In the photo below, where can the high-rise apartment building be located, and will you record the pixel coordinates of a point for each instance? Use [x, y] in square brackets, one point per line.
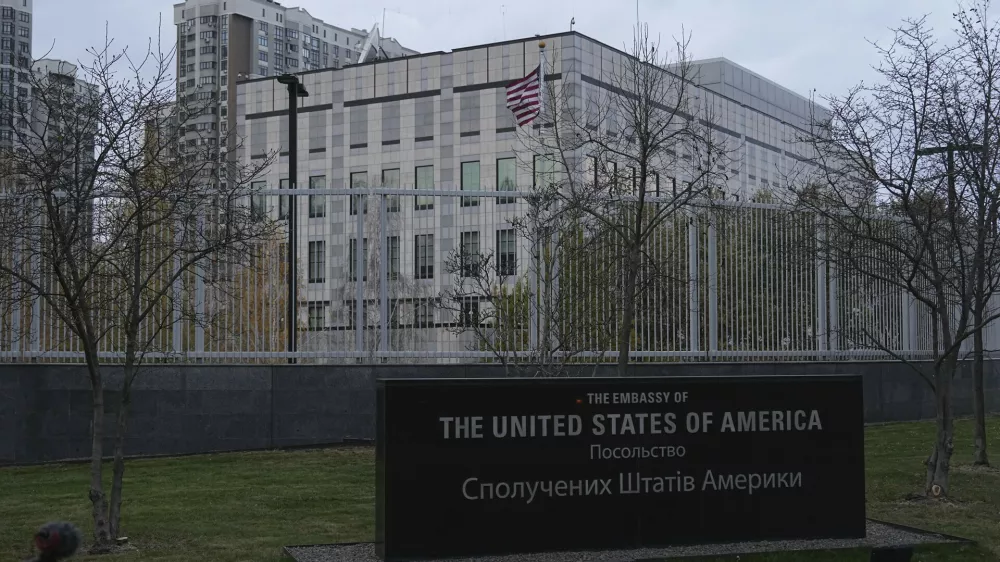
[15, 62]
[66, 96]
[220, 42]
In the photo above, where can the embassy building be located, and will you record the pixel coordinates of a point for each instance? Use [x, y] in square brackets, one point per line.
[434, 124]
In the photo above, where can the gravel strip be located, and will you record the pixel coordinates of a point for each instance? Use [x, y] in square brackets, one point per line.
[878, 535]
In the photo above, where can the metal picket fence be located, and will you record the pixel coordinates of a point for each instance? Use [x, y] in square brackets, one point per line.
[722, 281]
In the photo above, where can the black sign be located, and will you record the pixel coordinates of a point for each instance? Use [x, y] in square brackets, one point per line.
[474, 467]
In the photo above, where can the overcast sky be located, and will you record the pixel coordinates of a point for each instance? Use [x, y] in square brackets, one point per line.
[822, 44]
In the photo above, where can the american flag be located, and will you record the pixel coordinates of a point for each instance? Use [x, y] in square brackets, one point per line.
[524, 97]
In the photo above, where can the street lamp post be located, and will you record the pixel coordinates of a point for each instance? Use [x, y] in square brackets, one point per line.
[295, 91]
[950, 149]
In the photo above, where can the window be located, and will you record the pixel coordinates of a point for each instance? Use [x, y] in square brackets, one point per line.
[23, 16]
[359, 180]
[8, 28]
[544, 170]
[207, 79]
[470, 312]
[317, 261]
[283, 201]
[423, 313]
[25, 47]
[23, 32]
[8, 13]
[317, 316]
[207, 34]
[392, 248]
[673, 185]
[207, 65]
[258, 205]
[22, 92]
[390, 178]
[293, 63]
[208, 50]
[279, 31]
[347, 53]
[262, 25]
[292, 33]
[8, 44]
[317, 203]
[469, 254]
[506, 252]
[262, 56]
[470, 182]
[262, 40]
[336, 51]
[423, 251]
[425, 180]
[506, 178]
[352, 266]
[630, 178]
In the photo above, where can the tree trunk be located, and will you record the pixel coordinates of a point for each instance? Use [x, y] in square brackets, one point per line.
[979, 456]
[121, 427]
[939, 462]
[628, 311]
[99, 502]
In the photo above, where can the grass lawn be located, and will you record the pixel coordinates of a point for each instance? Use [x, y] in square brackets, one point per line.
[245, 506]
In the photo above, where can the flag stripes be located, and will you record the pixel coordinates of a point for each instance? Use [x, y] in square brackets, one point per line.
[524, 97]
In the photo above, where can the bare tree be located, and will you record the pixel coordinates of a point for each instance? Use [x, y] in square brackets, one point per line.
[893, 207]
[382, 225]
[113, 227]
[970, 123]
[632, 153]
[500, 307]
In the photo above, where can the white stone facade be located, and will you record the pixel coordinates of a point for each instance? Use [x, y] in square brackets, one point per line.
[447, 111]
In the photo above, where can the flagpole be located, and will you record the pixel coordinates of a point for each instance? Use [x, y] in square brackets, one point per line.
[541, 75]
[535, 281]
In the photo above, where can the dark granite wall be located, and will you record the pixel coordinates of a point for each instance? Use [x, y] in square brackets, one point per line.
[178, 409]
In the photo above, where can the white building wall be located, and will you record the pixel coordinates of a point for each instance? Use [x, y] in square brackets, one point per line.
[442, 110]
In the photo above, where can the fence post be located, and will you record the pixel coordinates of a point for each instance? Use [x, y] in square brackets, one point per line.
[907, 329]
[821, 320]
[713, 289]
[383, 275]
[834, 296]
[533, 294]
[16, 333]
[176, 308]
[359, 278]
[199, 300]
[34, 330]
[694, 314]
